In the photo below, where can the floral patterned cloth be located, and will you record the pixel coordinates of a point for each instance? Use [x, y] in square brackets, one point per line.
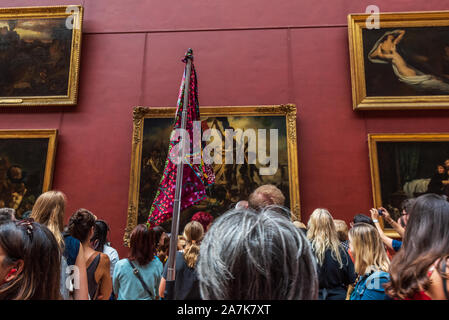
[196, 176]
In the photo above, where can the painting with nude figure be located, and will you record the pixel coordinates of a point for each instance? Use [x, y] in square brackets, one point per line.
[404, 64]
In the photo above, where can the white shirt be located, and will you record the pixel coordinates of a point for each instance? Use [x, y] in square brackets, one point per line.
[113, 256]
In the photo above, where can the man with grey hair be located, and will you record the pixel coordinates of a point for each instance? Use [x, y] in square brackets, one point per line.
[248, 255]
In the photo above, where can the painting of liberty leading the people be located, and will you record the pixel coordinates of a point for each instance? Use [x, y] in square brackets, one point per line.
[233, 182]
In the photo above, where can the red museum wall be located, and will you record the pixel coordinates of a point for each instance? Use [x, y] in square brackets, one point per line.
[248, 52]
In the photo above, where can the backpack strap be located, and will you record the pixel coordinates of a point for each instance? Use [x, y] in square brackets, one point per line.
[137, 274]
[373, 280]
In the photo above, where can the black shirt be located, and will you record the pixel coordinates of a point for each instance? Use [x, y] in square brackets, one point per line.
[334, 279]
[187, 286]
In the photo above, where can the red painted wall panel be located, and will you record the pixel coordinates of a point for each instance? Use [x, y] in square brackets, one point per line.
[245, 54]
[234, 67]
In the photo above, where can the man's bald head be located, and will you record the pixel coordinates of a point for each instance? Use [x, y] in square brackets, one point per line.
[266, 195]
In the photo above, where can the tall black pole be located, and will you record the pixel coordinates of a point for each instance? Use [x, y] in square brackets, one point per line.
[171, 269]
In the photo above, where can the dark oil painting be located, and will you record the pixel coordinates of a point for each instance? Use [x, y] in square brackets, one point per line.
[412, 61]
[410, 169]
[35, 57]
[22, 172]
[233, 182]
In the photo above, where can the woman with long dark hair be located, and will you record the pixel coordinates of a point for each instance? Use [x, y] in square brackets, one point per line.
[419, 270]
[100, 243]
[30, 262]
[138, 276]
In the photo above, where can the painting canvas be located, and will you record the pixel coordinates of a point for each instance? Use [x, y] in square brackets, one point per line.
[233, 182]
[405, 166]
[39, 55]
[401, 65]
[26, 167]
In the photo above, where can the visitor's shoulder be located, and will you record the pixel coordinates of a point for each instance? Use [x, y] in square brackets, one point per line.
[68, 239]
[121, 263]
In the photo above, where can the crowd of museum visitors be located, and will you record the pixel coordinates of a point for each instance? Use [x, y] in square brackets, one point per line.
[256, 250]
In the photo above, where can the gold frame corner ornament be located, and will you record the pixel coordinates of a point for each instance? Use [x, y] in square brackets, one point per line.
[140, 113]
[71, 98]
[360, 100]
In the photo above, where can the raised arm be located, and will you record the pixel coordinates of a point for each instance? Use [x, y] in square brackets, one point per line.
[375, 53]
[396, 226]
[399, 37]
[386, 240]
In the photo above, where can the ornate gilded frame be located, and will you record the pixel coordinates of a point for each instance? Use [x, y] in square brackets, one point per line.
[140, 113]
[74, 12]
[356, 23]
[51, 135]
[373, 139]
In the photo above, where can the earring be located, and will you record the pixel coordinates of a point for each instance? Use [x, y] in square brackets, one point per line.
[11, 272]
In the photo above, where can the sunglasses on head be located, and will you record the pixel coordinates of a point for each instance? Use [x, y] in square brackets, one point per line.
[28, 224]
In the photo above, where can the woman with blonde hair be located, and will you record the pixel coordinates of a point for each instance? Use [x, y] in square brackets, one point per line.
[371, 263]
[335, 267]
[187, 283]
[49, 210]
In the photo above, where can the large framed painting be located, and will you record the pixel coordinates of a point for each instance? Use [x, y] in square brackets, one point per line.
[26, 167]
[406, 166]
[404, 64]
[233, 182]
[40, 55]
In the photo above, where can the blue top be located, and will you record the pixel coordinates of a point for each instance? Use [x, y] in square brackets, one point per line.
[370, 287]
[71, 249]
[128, 287]
[396, 244]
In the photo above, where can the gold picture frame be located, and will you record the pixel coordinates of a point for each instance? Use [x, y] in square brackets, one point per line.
[27, 159]
[285, 115]
[389, 68]
[402, 166]
[41, 55]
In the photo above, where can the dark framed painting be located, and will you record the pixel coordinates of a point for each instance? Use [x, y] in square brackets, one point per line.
[404, 64]
[40, 55]
[233, 182]
[26, 167]
[406, 166]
